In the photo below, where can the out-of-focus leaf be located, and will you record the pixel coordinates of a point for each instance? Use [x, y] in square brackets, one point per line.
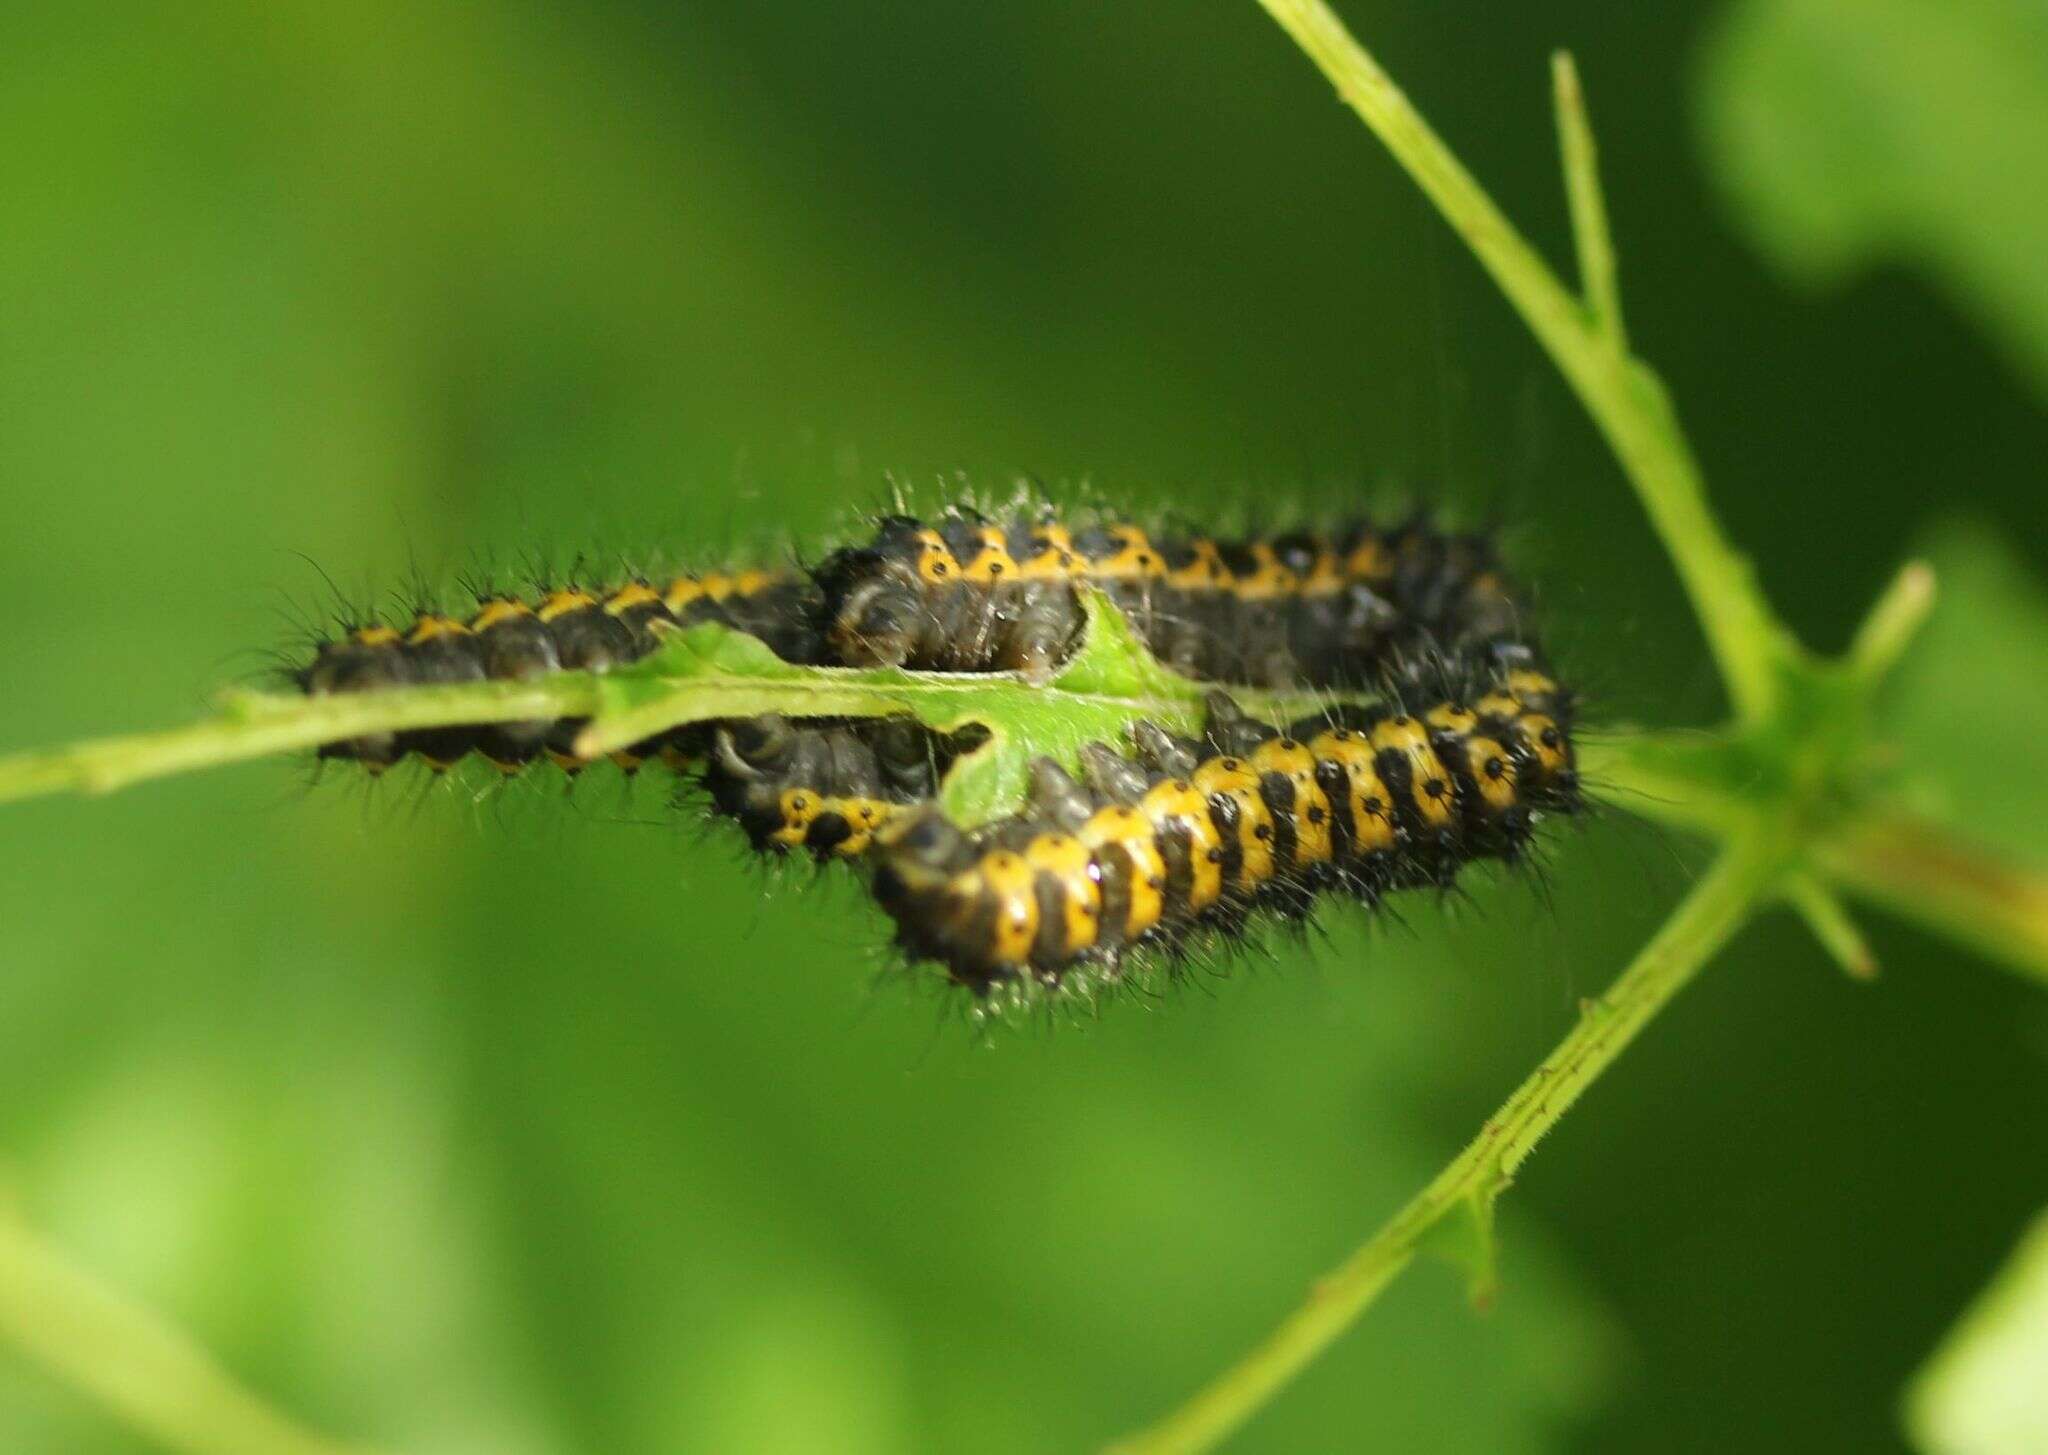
[1853, 131]
[1969, 699]
[1985, 1391]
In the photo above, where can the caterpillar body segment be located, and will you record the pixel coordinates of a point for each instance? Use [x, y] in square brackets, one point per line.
[825, 787]
[1182, 839]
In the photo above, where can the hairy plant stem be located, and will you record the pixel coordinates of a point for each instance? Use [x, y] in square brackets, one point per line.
[1710, 915]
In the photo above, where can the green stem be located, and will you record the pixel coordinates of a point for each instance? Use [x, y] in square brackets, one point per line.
[1710, 915]
[1922, 872]
[1828, 918]
[167, 1389]
[254, 725]
[1594, 241]
[1892, 623]
[1909, 865]
[1623, 395]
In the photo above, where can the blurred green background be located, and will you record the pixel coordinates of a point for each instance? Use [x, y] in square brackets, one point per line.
[528, 1126]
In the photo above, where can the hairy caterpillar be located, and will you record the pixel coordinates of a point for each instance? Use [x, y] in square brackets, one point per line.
[1453, 764]
[1187, 838]
[966, 594]
[821, 787]
[1332, 609]
[570, 629]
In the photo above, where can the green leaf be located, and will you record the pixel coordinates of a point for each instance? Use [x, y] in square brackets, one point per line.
[1466, 1238]
[1850, 133]
[711, 671]
[1086, 701]
[1112, 682]
[1985, 1391]
[1966, 705]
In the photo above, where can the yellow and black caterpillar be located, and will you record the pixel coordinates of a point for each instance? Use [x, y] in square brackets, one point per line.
[825, 787]
[1467, 745]
[572, 629]
[1304, 609]
[964, 594]
[1185, 839]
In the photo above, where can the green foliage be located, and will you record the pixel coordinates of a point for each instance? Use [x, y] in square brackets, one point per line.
[1965, 711]
[1854, 132]
[551, 1138]
[1982, 1393]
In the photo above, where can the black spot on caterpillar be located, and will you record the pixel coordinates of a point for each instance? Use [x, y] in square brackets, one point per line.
[1186, 839]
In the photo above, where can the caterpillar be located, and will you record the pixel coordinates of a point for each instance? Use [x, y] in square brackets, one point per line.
[1335, 609]
[506, 638]
[825, 788]
[1185, 839]
[965, 594]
